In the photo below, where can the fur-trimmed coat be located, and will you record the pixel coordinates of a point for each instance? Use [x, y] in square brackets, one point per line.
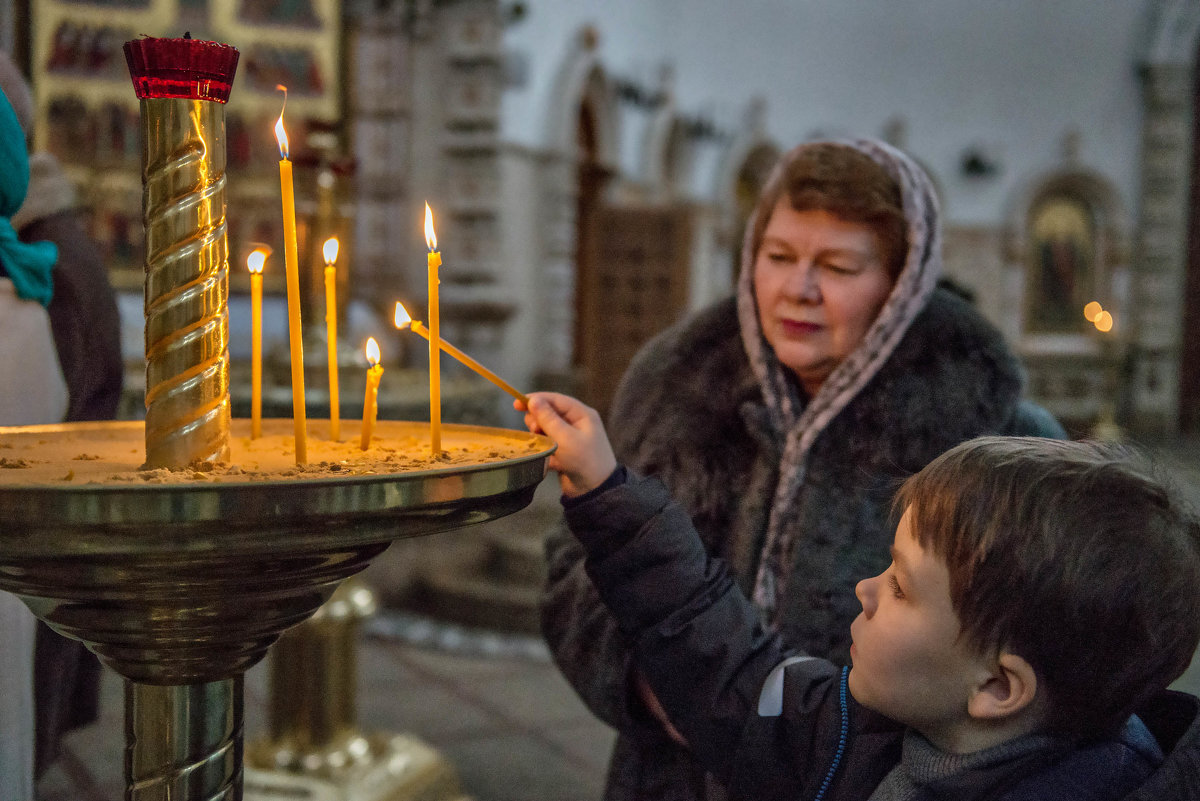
[690, 411]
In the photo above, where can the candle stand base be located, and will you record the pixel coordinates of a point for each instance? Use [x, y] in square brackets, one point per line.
[380, 767]
[315, 749]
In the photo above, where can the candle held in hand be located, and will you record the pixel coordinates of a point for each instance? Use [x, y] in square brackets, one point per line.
[330, 251]
[403, 320]
[254, 263]
[371, 397]
[433, 261]
[291, 266]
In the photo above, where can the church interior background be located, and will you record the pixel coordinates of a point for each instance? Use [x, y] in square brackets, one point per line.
[591, 166]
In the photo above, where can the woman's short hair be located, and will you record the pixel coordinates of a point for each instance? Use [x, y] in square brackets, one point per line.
[847, 183]
[1072, 555]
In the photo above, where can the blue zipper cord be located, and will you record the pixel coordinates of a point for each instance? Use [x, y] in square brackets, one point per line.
[842, 736]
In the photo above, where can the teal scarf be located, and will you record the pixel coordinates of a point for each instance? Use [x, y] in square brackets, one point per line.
[28, 265]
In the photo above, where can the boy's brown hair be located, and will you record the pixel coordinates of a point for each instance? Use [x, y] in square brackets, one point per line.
[847, 183]
[1072, 555]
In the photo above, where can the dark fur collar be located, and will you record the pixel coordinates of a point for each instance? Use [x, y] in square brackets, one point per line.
[688, 406]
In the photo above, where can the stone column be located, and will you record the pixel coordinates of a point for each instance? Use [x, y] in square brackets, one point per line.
[1160, 258]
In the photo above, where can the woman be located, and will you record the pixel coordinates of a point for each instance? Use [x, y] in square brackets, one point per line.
[784, 419]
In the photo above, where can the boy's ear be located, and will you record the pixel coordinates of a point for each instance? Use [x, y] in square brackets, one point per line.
[1010, 687]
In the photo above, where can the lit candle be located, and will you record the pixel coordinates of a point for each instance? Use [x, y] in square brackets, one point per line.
[371, 397]
[331, 253]
[290, 263]
[433, 261]
[403, 320]
[255, 262]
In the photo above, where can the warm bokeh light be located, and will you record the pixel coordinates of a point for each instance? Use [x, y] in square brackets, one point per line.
[280, 134]
[1103, 322]
[1092, 311]
[330, 250]
[402, 318]
[256, 260]
[372, 350]
[430, 236]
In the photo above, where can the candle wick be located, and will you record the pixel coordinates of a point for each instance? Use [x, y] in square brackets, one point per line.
[187, 34]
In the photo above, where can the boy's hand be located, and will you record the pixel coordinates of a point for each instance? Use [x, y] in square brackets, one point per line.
[584, 458]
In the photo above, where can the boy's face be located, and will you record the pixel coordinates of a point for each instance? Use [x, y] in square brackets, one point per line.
[909, 662]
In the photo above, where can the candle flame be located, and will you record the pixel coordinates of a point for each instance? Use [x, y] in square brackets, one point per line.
[372, 350]
[280, 134]
[330, 250]
[402, 318]
[1092, 311]
[1103, 322]
[430, 236]
[256, 260]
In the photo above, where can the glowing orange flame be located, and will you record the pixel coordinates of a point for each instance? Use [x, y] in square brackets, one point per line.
[280, 134]
[402, 318]
[256, 260]
[330, 250]
[1092, 311]
[430, 236]
[1103, 322]
[372, 350]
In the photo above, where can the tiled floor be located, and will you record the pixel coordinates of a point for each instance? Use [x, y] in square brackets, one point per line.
[495, 707]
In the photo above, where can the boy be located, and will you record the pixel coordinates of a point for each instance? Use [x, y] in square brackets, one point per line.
[1040, 592]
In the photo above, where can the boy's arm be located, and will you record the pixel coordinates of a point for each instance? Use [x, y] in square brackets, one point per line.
[700, 642]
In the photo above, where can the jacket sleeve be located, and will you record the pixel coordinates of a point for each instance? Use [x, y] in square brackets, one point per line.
[700, 642]
[584, 640]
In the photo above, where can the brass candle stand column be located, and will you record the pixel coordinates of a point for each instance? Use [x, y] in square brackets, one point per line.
[314, 748]
[183, 85]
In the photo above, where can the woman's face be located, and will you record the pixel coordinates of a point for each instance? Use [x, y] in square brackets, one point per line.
[819, 282]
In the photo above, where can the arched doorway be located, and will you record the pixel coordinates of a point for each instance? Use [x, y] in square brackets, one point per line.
[590, 178]
[751, 176]
[1189, 372]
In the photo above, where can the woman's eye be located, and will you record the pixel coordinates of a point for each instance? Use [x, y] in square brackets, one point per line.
[778, 257]
[840, 269]
[895, 585]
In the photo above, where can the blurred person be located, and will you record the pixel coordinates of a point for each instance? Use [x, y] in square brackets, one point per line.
[85, 326]
[33, 391]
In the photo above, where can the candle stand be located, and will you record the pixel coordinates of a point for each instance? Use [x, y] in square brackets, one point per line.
[180, 587]
[314, 748]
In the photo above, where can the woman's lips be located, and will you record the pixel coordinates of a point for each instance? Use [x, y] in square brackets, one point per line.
[798, 328]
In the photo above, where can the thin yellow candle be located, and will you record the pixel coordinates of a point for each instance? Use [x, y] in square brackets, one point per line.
[330, 252]
[255, 262]
[291, 265]
[371, 396]
[403, 320]
[433, 261]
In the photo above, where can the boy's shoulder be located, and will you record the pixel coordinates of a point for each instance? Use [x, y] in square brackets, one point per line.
[1105, 770]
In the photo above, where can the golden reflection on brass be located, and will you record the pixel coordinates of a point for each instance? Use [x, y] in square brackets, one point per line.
[183, 742]
[187, 282]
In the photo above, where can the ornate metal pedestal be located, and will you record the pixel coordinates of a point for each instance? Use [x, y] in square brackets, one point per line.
[180, 587]
[314, 750]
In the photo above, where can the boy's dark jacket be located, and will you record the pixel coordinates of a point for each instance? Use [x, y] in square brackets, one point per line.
[700, 644]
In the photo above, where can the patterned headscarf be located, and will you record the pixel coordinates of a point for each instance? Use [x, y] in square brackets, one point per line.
[800, 423]
[28, 265]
